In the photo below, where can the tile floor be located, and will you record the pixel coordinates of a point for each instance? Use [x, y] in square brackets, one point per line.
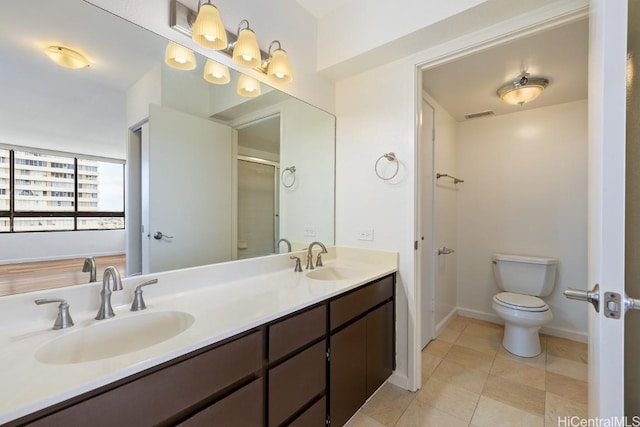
[469, 379]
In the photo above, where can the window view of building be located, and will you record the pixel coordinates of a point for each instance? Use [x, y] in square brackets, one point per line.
[47, 186]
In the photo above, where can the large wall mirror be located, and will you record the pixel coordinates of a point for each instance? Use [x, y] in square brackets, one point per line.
[201, 174]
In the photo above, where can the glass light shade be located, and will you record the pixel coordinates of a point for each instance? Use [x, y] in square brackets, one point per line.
[179, 57]
[248, 86]
[522, 91]
[279, 67]
[66, 57]
[208, 30]
[216, 73]
[246, 51]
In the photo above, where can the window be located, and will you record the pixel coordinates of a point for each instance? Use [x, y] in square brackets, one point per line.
[54, 192]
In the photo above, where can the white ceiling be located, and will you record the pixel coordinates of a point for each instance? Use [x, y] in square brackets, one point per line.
[468, 85]
[320, 8]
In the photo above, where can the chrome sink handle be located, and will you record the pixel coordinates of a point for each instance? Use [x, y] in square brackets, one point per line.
[110, 274]
[298, 267]
[63, 320]
[138, 302]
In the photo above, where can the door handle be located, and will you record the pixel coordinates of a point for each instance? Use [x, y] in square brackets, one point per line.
[445, 251]
[592, 296]
[159, 235]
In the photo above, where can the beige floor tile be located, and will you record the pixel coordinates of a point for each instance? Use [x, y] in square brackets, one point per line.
[449, 335]
[470, 379]
[539, 361]
[420, 414]
[429, 364]
[568, 350]
[559, 409]
[437, 348]
[459, 323]
[567, 387]
[487, 323]
[566, 367]
[362, 420]
[519, 372]
[388, 404]
[449, 398]
[514, 394]
[470, 358]
[491, 413]
[483, 330]
[488, 345]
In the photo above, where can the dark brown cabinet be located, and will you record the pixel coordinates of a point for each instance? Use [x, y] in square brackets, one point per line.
[292, 371]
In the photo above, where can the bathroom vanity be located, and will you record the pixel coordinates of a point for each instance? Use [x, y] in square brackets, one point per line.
[311, 348]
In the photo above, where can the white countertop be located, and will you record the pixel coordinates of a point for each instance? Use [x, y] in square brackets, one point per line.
[225, 299]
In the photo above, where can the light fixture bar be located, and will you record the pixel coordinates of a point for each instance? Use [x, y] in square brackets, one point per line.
[181, 19]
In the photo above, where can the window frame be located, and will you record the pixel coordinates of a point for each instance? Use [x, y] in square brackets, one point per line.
[76, 214]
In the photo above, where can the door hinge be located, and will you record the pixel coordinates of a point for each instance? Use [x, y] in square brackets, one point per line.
[327, 421]
[328, 354]
[415, 245]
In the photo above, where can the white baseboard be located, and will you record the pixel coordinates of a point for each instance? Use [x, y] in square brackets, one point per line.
[399, 380]
[547, 330]
[444, 322]
[58, 258]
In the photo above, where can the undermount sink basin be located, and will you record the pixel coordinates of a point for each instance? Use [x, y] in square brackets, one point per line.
[114, 337]
[334, 273]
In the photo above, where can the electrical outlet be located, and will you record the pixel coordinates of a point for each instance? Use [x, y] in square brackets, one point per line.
[365, 234]
[309, 231]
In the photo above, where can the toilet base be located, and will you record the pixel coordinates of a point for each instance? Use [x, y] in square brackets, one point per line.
[523, 341]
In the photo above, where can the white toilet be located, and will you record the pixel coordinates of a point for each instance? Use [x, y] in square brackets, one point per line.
[524, 279]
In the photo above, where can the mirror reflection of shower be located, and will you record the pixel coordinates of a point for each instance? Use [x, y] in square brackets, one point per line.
[258, 187]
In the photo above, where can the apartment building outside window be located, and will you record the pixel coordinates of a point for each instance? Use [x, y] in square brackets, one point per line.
[44, 191]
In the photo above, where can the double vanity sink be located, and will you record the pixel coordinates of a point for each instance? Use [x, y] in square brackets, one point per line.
[186, 311]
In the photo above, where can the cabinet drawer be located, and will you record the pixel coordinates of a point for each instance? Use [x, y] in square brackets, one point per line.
[241, 408]
[315, 416]
[349, 306]
[296, 331]
[295, 382]
[160, 397]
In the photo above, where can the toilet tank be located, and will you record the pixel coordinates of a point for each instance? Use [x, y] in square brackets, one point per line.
[525, 274]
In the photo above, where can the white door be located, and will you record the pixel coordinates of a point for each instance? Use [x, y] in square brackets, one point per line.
[189, 191]
[426, 255]
[607, 74]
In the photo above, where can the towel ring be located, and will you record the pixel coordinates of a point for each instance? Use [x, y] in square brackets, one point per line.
[392, 158]
[292, 174]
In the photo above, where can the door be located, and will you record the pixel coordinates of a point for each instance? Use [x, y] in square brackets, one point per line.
[426, 254]
[607, 71]
[189, 191]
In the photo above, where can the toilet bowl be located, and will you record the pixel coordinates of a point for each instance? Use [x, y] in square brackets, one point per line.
[523, 278]
[523, 316]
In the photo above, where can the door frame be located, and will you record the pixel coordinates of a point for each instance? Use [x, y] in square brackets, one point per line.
[475, 43]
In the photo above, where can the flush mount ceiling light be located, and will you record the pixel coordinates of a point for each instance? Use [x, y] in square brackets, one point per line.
[522, 90]
[243, 48]
[66, 57]
[216, 73]
[246, 51]
[208, 30]
[248, 86]
[278, 64]
[179, 57]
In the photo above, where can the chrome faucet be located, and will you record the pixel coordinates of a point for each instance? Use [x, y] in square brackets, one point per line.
[285, 241]
[310, 256]
[110, 274]
[90, 267]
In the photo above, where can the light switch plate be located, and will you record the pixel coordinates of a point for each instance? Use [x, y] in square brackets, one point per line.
[309, 231]
[365, 234]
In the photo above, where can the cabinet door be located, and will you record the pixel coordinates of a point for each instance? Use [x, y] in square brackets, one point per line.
[348, 371]
[380, 346]
[242, 408]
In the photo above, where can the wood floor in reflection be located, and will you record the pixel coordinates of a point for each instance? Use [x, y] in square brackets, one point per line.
[34, 276]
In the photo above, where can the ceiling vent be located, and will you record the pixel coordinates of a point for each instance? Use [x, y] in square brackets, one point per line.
[480, 114]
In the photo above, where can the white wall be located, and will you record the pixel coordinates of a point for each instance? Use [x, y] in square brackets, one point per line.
[525, 192]
[445, 216]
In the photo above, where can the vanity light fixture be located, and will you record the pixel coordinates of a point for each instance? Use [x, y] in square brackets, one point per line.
[522, 90]
[246, 51]
[243, 48]
[216, 73]
[208, 29]
[66, 57]
[278, 66]
[179, 57]
[248, 86]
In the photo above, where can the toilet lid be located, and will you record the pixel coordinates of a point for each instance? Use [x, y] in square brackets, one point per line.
[521, 302]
